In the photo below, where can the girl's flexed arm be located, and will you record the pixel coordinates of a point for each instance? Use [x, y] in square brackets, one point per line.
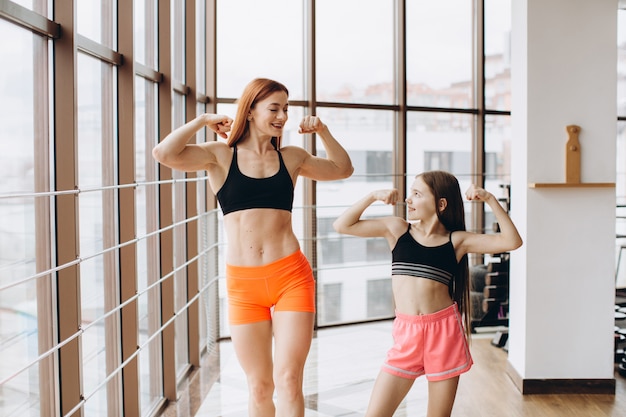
[174, 151]
[506, 240]
[350, 222]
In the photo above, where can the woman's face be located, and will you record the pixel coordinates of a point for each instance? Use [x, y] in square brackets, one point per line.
[269, 116]
[420, 201]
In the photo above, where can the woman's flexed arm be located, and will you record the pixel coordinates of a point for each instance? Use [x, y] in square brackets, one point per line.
[175, 152]
[337, 164]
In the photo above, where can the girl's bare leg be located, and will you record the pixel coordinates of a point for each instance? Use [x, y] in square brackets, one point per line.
[389, 391]
[441, 396]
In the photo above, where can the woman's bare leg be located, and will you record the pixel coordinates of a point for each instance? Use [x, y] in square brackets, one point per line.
[253, 347]
[293, 332]
[389, 391]
[441, 396]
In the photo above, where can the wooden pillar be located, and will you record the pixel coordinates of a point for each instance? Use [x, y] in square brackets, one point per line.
[66, 206]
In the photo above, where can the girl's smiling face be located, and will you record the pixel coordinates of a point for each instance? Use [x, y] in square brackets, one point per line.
[268, 117]
[420, 201]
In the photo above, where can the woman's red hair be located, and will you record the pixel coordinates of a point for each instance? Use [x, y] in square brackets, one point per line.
[256, 90]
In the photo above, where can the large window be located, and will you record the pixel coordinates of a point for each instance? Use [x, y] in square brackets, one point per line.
[260, 39]
[25, 300]
[439, 40]
[355, 60]
[112, 281]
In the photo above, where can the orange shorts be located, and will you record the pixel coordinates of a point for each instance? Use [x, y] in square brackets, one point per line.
[431, 344]
[283, 285]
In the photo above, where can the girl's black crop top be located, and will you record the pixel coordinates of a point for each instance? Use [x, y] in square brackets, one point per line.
[241, 192]
[411, 258]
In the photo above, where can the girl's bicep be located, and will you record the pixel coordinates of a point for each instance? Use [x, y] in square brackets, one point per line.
[367, 228]
[387, 227]
[483, 243]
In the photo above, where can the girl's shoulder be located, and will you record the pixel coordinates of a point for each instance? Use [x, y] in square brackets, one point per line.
[397, 226]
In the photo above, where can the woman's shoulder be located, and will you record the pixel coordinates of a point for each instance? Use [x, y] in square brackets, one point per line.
[217, 145]
[292, 150]
[294, 155]
[217, 153]
[220, 149]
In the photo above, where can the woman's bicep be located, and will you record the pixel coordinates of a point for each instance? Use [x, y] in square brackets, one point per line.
[194, 158]
[321, 169]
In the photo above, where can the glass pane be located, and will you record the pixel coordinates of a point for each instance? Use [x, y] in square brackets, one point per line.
[150, 360]
[98, 274]
[497, 162]
[439, 53]
[39, 6]
[88, 21]
[440, 141]
[346, 296]
[145, 32]
[355, 56]
[498, 54]
[498, 150]
[25, 3]
[95, 20]
[180, 246]
[150, 365]
[19, 332]
[204, 244]
[264, 41]
[178, 40]
[201, 47]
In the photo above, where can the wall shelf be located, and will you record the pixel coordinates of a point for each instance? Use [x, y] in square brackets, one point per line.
[572, 166]
[571, 185]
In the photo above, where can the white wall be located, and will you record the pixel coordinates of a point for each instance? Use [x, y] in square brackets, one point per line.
[564, 64]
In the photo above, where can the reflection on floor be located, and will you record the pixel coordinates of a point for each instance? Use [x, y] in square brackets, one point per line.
[338, 380]
[340, 373]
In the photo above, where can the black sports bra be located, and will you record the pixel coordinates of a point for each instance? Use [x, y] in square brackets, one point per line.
[241, 192]
[411, 258]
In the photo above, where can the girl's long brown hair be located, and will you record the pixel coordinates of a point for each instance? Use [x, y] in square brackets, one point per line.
[256, 90]
[445, 185]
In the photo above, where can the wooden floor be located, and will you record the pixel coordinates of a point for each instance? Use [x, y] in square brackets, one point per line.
[340, 374]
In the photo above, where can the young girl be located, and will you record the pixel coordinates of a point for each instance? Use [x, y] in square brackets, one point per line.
[270, 284]
[430, 285]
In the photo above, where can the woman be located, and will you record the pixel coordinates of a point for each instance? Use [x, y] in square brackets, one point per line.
[430, 283]
[271, 290]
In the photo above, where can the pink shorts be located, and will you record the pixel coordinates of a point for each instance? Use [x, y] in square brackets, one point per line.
[431, 344]
[286, 284]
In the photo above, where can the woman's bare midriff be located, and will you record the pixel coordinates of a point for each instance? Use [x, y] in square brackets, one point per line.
[259, 236]
[417, 296]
